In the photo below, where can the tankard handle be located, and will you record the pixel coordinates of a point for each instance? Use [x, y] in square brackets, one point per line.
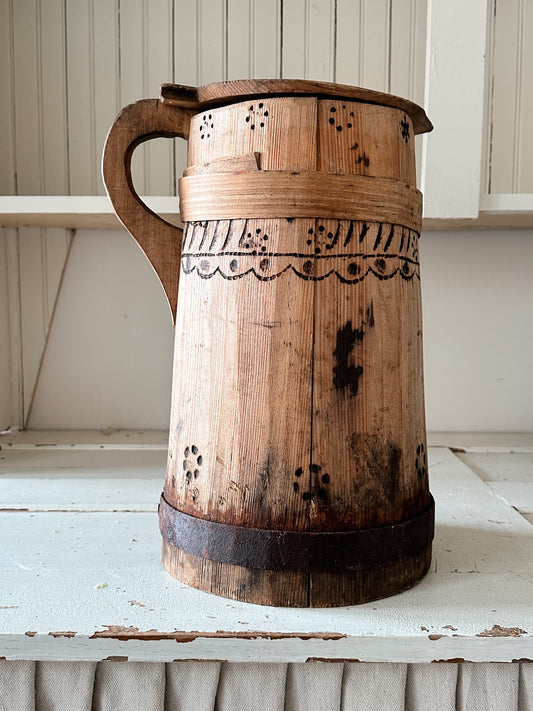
[159, 240]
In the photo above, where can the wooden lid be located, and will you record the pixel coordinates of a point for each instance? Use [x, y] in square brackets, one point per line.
[222, 93]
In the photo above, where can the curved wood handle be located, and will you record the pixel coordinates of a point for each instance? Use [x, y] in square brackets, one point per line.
[159, 240]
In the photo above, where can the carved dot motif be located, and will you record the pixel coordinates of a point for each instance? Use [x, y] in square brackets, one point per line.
[319, 483]
[342, 120]
[421, 461]
[257, 116]
[206, 126]
[191, 464]
[405, 129]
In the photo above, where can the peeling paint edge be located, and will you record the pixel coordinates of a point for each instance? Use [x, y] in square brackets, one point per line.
[124, 634]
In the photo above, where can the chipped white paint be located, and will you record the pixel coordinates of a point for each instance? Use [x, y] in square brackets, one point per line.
[481, 577]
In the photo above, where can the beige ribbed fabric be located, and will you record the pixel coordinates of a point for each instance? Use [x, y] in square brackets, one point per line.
[251, 687]
[215, 686]
[525, 688]
[17, 686]
[192, 686]
[132, 686]
[487, 686]
[61, 686]
[373, 687]
[431, 687]
[315, 685]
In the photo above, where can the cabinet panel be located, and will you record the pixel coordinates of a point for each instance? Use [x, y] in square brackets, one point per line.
[510, 105]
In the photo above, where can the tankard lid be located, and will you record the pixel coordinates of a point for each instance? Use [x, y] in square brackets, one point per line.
[221, 93]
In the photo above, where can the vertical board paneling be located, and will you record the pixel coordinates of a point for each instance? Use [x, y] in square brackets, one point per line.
[320, 45]
[92, 62]
[408, 55]
[42, 258]
[15, 337]
[240, 40]
[57, 246]
[349, 41]
[52, 89]
[524, 166]
[28, 146]
[7, 138]
[33, 306]
[505, 64]
[159, 166]
[185, 63]
[133, 78]
[266, 34]
[253, 38]
[294, 39]
[81, 97]
[212, 47]
[5, 353]
[375, 44]
[146, 62]
[106, 95]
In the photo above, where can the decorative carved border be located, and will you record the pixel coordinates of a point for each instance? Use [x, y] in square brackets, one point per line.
[236, 248]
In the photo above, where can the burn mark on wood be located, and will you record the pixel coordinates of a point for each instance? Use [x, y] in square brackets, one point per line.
[404, 123]
[318, 483]
[382, 252]
[361, 157]
[346, 374]
[421, 461]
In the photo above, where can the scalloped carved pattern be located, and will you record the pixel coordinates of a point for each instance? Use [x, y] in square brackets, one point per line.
[350, 250]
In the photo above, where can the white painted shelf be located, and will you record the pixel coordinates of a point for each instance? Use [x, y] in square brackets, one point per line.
[95, 212]
[80, 577]
[74, 211]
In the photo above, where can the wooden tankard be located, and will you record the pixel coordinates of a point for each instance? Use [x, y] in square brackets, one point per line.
[297, 465]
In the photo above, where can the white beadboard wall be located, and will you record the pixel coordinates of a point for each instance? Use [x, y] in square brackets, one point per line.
[99, 354]
[509, 161]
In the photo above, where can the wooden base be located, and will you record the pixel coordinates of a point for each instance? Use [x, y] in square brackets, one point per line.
[289, 589]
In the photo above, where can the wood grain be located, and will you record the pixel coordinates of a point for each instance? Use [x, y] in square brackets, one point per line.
[297, 398]
[231, 91]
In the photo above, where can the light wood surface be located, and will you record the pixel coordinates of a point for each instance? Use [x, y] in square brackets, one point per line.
[270, 404]
[231, 91]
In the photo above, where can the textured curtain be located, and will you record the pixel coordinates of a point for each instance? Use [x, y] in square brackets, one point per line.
[216, 686]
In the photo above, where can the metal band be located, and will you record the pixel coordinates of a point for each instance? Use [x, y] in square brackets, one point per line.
[279, 194]
[264, 549]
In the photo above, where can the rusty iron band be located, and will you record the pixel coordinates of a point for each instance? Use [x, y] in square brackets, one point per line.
[265, 549]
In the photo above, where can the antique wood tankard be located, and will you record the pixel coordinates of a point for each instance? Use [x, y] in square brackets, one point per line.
[297, 465]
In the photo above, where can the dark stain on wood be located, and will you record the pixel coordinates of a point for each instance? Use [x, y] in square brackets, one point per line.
[345, 374]
[377, 463]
